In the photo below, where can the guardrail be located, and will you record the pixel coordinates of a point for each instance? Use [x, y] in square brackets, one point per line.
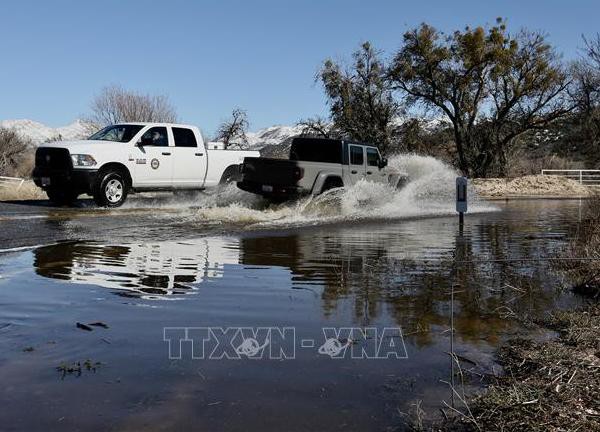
[20, 181]
[585, 177]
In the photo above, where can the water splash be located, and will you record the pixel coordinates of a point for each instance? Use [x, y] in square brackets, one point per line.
[430, 192]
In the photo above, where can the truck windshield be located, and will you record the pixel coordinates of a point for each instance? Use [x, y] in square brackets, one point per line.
[316, 150]
[117, 133]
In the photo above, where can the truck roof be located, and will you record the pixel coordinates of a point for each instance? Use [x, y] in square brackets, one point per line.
[158, 124]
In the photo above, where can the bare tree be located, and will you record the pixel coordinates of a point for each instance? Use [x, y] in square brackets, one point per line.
[318, 127]
[232, 132]
[582, 130]
[592, 48]
[13, 149]
[117, 105]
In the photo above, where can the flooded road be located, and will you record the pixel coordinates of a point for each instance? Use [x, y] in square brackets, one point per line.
[137, 281]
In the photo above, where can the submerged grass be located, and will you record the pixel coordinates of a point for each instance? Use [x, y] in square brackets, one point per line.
[583, 267]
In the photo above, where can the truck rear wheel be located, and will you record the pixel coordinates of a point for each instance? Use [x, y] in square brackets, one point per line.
[61, 196]
[402, 181]
[111, 189]
[332, 183]
[230, 175]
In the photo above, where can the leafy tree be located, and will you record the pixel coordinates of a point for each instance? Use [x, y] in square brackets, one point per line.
[233, 131]
[361, 103]
[492, 87]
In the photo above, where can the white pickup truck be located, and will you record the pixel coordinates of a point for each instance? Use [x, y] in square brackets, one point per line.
[133, 157]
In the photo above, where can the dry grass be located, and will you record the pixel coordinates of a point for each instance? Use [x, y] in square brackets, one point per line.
[29, 191]
[532, 185]
[547, 386]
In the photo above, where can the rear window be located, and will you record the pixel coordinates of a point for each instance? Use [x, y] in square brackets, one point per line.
[184, 137]
[316, 150]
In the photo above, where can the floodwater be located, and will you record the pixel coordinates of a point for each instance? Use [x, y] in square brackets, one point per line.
[147, 284]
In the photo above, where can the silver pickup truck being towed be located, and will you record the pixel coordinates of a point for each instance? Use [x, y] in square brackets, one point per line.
[315, 166]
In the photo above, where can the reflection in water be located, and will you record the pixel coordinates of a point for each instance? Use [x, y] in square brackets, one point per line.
[150, 270]
[400, 272]
[405, 272]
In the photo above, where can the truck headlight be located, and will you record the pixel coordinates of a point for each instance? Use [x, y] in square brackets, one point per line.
[83, 160]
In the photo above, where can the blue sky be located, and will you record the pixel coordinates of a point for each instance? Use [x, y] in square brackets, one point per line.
[211, 56]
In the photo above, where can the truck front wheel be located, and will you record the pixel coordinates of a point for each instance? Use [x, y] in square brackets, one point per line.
[111, 189]
[61, 197]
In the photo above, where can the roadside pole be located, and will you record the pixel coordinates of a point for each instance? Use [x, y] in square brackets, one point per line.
[461, 200]
[461, 208]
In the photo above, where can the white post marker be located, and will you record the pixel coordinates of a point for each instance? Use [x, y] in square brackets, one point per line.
[461, 197]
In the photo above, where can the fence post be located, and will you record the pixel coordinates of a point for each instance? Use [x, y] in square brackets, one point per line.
[580, 176]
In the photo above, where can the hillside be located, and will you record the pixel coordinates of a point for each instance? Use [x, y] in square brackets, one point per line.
[39, 133]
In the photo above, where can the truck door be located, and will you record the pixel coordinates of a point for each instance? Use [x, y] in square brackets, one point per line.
[374, 173]
[153, 159]
[189, 160]
[357, 166]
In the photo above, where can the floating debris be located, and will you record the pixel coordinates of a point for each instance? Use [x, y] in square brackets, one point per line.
[98, 324]
[83, 327]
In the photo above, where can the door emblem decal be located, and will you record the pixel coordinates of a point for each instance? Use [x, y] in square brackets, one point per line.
[155, 163]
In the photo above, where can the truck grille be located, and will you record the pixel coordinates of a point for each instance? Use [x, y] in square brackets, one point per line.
[53, 158]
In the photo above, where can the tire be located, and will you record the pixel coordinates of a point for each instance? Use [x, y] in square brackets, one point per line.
[111, 189]
[230, 175]
[403, 181]
[61, 196]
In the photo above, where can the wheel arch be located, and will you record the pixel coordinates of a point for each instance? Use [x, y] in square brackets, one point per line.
[322, 180]
[116, 166]
[232, 171]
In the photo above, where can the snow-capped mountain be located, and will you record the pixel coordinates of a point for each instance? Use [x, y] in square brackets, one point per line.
[39, 133]
[273, 135]
[264, 138]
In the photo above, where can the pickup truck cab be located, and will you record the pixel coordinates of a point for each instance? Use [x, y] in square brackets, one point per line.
[133, 157]
[316, 165]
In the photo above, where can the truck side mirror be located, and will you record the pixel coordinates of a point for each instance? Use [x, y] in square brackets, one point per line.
[383, 163]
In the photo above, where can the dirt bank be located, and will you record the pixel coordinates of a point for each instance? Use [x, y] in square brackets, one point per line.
[547, 386]
[532, 185]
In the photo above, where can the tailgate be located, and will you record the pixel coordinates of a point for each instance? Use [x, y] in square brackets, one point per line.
[276, 172]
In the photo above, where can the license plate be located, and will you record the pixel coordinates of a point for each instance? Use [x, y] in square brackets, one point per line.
[267, 188]
[45, 181]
